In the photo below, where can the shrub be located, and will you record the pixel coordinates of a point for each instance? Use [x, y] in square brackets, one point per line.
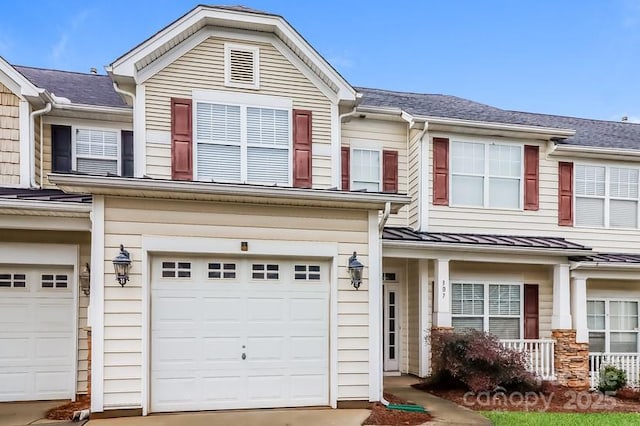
[479, 361]
[611, 379]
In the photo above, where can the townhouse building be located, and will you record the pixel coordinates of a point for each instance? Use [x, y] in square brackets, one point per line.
[241, 180]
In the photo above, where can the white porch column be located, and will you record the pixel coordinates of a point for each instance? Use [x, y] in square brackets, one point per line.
[442, 293]
[561, 319]
[424, 354]
[579, 309]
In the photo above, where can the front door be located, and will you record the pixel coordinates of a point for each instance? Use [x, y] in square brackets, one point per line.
[391, 317]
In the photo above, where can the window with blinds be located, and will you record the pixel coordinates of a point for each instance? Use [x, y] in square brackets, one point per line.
[486, 175]
[242, 66]
[606, 196]
[96, 151]
[495, 308]
[237, 143]
[613, 325]
[365, 170]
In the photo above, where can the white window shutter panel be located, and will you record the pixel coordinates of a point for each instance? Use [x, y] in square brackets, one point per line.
[268, 165]
[220, 163]
[623, 214]
[589, 211]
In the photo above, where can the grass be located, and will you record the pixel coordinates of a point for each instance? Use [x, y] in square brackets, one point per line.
[508, 418]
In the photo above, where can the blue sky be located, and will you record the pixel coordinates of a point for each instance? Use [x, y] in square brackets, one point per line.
[579, 58]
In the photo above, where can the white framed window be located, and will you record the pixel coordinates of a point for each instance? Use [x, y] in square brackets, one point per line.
[485, 174]
[96, 151]
[13, 280]
[613, 325]
[243, 142]
[241, 66]
[605, 196]
[496, 308]
[173, 269]
[265, 271]
[366, 169]
[221, 271]
[52, 281]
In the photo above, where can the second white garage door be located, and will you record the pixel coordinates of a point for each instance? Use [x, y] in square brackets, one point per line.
[239, 333]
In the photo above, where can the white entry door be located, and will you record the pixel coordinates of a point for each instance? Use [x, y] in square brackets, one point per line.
[37, 322]
[391, 317]
[239, 333]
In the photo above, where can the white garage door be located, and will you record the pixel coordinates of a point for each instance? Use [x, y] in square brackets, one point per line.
[36, 333]
[231, 333]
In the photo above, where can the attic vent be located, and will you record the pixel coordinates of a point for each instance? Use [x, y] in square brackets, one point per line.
[241, 66]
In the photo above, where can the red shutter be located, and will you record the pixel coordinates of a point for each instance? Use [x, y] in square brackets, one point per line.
[565, 194]
[301, 148]
[531, 177]
[346, 177]
[181, 140]
[390, 171]
[441, 171]
[531, 307]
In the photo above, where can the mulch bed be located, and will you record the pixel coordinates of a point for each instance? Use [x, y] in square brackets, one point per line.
[65, 411]
[380, 415]
[556, 399]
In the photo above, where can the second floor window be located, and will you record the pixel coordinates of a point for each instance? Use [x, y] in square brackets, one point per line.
[96, 151]
[486, 175]
[365, 169]
[238, 143]
[606, 196]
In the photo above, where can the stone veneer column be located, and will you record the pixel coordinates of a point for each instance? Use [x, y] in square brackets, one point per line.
[571, 360]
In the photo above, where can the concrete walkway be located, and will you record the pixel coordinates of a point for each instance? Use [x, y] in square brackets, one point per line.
[293, 417]
[444, 412]
[29, 413]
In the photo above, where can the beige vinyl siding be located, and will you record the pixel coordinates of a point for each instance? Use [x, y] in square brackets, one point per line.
[543, 222]
[613, 289]
[158, 160]
[203, 68]
[9, 137]
[414, 174]
[382, 134]
[84, 242]
[127, 220]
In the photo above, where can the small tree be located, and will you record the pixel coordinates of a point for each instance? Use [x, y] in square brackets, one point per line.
[478, 361]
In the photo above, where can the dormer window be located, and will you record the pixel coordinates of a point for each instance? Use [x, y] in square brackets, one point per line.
[241, 66]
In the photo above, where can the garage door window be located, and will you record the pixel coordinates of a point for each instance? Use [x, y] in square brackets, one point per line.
[307, 272]
[54, 281]
[13, 281]
[176, 269]
[265, 271]
[222, 271]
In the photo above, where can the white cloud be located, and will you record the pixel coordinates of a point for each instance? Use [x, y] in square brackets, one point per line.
[59, 48]
[341, 60]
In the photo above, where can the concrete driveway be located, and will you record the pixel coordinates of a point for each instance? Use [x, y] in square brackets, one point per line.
[293, 417]
[28, 413]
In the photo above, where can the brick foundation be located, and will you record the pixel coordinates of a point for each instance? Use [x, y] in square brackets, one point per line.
[571, 360]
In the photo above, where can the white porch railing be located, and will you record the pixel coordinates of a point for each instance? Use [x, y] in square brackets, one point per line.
[538, 353]
[629, 362]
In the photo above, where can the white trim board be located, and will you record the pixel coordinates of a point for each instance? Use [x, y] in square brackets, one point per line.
[39, 253]
[95, 312]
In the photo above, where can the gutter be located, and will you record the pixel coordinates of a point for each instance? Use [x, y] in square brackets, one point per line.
[207, 191]
[32, 143]
[485, 248]
[603, 265]
[591, 151]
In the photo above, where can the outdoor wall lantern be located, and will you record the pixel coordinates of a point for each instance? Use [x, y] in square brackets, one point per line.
[355, 270]
[85, 280]
[121, 264]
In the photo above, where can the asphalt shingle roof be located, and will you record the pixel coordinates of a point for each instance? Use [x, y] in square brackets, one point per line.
[593, 133]
[79, 88]
[408, 234]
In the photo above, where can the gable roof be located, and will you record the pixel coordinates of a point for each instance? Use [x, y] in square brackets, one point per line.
[187, 28]
[79, 88]
[589, 132]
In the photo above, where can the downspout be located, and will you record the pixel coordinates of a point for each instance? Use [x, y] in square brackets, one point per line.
[341, 117]
[381, 224]
[125, 93]
[32, 143]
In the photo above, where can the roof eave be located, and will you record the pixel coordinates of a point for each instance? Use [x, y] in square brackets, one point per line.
[20, 205]
[206, 191]
[561, 149]
[611, 266]
[484, 248]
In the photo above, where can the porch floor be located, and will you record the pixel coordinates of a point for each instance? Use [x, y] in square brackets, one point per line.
[444, 412]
